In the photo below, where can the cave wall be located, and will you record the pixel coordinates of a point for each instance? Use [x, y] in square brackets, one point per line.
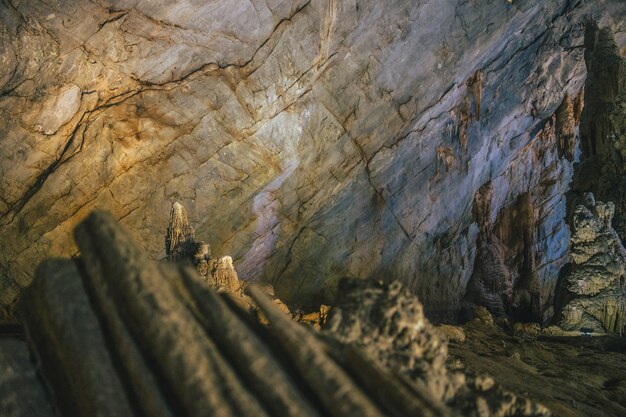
[310, 139]
[602, 166]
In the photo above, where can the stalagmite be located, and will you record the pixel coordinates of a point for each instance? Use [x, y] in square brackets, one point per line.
[593, 292]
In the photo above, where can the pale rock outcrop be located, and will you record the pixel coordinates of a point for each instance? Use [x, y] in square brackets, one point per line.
[593, 288]
[58, 110]
[312, 139]
[181, 244]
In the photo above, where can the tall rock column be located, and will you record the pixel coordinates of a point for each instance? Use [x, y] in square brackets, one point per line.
[592, 291]
[602, 169]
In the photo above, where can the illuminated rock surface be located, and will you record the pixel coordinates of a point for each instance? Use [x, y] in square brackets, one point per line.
[313, 139]
[594, 287]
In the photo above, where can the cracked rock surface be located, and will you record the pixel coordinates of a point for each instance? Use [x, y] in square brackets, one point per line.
[313, 139]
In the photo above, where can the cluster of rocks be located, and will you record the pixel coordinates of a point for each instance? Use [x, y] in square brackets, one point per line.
[219, 274]
[181, 245]
[593, 288]
[387, 322]
[158, 339]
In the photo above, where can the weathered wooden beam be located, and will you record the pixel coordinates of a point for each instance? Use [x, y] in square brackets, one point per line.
[67, 339]
[183, 357]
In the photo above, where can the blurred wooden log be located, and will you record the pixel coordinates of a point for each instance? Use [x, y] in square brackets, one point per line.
[67, 339]
[188, 362]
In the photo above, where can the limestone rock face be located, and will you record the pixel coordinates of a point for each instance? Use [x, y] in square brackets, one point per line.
[595, 286]
[314, 139]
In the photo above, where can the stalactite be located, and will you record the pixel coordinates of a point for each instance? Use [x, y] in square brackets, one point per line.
[464, 119]
[475, 84]
[579, 106]
[445, 160]
[565, 125]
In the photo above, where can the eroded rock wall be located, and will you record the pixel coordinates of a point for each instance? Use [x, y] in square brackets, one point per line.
[602, 169]
[313, 139]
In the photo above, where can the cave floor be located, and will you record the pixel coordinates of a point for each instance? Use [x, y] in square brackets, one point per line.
[573, 376]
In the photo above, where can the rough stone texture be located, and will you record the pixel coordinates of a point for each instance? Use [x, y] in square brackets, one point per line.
[388, 323]
[593, 289]
[183, 349]
[314, 139]
[572, 376]
[181, 244]
[452, 333]
[67, 334]
[602, 169]
[21, 394]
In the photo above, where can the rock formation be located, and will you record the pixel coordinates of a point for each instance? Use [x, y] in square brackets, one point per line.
[602, 169]
[313, 139]
[156, 341]
[181, 244]
[491, 283]
[388, 323]
[217, 273]
[593, 288]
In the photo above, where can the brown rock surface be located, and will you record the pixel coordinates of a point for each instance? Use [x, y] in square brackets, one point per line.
[304, 135]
